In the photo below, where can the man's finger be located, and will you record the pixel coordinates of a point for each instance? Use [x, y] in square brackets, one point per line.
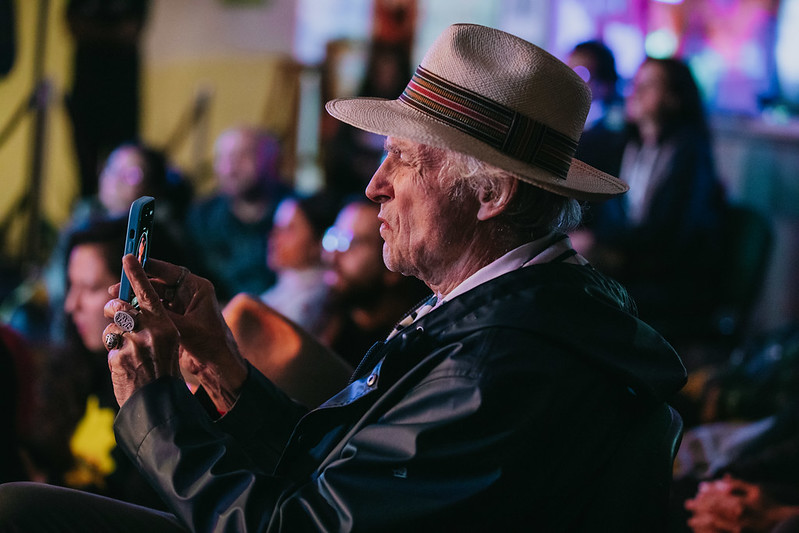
[145, 293]
[113, 290]
[167, 272]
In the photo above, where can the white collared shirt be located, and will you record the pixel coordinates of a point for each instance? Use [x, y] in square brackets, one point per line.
[538, 251]
[543, 250]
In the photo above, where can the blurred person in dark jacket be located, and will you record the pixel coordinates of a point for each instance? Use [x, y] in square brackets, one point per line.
[662, 240]
[229, 229]
[104, 100]
[602, 141]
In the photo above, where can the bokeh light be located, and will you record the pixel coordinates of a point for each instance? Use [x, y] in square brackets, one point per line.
[787, 46]
[661, 43]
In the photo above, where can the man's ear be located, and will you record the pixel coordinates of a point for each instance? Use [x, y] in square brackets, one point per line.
[495, 200]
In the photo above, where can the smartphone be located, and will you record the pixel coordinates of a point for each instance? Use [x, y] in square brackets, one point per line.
[137, 240]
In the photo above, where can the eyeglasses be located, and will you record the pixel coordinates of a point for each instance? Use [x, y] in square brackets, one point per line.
[336, 240]
[339, 240]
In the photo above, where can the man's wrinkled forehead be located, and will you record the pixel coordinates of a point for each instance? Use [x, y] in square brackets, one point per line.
[415, 153]
[397, 143]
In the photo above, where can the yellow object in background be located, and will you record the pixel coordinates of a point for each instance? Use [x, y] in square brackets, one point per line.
[91, 445]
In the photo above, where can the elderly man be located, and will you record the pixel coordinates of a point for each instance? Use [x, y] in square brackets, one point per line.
[525, 396]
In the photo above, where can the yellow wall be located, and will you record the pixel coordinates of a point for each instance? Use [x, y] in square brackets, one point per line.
[238, 55]
[59, 184]
[245, 90]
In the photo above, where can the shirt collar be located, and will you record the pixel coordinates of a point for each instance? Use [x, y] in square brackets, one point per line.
[540, 250]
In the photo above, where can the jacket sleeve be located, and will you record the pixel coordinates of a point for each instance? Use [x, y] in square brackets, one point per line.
[262, 419]
[436, 449]
[260, 424]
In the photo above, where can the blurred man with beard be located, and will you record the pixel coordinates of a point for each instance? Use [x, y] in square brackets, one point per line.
[229, 229]
[367, 299]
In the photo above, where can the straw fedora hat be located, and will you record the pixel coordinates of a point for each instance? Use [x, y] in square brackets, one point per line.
[496, 97]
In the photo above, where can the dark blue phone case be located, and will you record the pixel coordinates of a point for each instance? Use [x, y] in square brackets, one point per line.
[137, 239]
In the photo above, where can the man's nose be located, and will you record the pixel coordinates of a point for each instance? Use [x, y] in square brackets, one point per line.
[379, 187]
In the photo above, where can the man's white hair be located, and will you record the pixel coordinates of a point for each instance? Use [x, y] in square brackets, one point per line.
[532, 210]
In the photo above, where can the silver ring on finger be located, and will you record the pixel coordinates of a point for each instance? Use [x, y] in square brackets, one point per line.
[112, 340]
[125, 320]
[169, 294]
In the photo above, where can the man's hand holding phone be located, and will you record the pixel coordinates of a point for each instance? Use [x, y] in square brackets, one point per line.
[150, 350]
[174, 316]
[209, 355]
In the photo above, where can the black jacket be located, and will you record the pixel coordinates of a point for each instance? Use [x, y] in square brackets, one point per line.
[533, 402]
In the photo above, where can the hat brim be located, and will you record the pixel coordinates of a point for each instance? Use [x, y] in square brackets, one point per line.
[396, 119]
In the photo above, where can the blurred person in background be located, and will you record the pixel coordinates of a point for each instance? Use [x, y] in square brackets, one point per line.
[602, 140]
[72, 441]
[228, 230]
[367, 299]
[295, 255]
[133, 169]
[350, 155]
[662, 239]
[103, 102]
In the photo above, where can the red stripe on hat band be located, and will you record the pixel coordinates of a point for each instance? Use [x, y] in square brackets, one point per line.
[498, 126]
[456, 106]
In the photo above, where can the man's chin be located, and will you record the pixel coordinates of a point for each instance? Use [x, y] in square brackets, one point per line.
[399, 267]
[390, 263]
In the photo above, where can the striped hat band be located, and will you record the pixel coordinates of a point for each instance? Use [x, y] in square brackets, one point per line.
[498, 126]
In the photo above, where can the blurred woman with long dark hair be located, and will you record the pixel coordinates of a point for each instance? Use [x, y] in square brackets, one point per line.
[72, 443]
[662, 238]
